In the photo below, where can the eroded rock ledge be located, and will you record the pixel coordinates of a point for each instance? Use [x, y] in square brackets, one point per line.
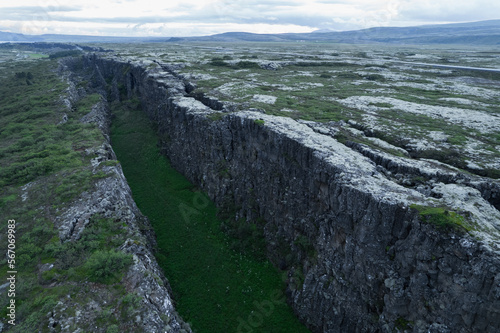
[358, 256]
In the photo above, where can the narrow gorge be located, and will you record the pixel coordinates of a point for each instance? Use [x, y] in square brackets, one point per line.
[361, 251]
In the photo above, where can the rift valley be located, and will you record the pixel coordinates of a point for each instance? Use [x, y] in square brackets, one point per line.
[328, 187]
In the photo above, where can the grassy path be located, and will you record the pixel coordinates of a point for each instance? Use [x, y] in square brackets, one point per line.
[215, 288]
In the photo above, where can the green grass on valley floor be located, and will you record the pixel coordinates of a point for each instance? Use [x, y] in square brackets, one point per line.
[216, 288]
[37, 55]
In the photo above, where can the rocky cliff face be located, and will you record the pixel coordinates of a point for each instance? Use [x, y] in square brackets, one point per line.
[361, 248]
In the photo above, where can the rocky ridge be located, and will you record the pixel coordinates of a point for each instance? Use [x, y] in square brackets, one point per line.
[344, 223]
[110, 198]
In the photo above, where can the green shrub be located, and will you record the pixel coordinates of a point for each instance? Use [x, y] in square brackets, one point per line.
[403, 324]
[305, 244]
[113, 329]
[247, 64]
[350, 75]
[110, 163]
[375, 77]
[382, 105]
[218, 62]
[61, 54]
[106, 266]
[130, 303]
[85, 105]
[7, 200]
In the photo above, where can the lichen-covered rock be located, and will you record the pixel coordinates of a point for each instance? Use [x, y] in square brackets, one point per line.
[100, 115]
[272, 66]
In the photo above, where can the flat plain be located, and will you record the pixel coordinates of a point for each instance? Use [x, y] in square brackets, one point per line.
[412, 101]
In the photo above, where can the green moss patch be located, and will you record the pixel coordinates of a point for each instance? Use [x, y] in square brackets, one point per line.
[442, 218]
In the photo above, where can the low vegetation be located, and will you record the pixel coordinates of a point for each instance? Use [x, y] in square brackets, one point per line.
[442, 218]
[68, 53]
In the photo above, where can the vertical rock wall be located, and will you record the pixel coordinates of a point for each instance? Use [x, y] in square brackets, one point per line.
[358, 258]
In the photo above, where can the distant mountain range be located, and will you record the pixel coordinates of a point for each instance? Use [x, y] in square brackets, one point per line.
[53, 38]
[473, 33]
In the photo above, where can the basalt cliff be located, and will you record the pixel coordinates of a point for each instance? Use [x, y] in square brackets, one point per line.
[365, 248]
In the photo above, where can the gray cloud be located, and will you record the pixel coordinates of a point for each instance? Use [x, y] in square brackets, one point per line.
[449, 10]
[206, 15]
[36, 9]
[360, 14]
[238, 12]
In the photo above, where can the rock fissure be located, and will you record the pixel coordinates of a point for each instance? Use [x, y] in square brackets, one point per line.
[422, 174]
[359, 256]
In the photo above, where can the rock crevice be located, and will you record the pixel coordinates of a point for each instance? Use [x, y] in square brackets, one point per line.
[358, 255]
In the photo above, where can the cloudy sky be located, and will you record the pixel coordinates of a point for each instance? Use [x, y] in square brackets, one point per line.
[206, 17]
